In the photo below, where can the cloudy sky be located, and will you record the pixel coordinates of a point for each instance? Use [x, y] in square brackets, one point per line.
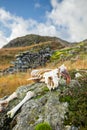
[66, 19]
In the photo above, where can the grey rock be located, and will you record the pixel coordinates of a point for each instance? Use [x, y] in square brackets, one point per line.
[27, 60]
[43, 107]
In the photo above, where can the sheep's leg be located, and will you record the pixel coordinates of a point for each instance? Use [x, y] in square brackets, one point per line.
[11, 97]
[4, 103]
[12, 112]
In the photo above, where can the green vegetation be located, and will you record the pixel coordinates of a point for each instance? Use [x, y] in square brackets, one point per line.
[43, 126]
[70, 52]
[44, 91]
[77, 100]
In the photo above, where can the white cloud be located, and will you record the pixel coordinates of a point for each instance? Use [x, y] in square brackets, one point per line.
[20, 27]
[17, 26]
[66, 20]
[71, 15]
[2, 39]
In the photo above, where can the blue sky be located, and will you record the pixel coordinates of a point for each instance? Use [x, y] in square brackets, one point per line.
[34, 9]
[66, 19]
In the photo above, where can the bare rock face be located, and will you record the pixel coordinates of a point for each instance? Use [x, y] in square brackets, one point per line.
[43, 107]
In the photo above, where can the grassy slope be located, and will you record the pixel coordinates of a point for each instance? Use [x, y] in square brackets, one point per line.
[59, 57]
[8, 54]
[74, 58]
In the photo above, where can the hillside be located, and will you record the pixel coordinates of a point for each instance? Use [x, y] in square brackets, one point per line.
[32, 39]
[46, 106]
[63, 51]
[27, 43]
[45, 55]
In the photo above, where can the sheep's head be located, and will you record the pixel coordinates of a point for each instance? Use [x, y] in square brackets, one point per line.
[64, 72]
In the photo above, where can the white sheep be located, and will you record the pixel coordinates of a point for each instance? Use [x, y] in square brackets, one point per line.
[12, 112]
[4, 103]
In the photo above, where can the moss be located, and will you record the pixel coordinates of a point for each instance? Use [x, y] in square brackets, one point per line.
[38, 96]
[43, 91]
[43, 126]
[77, 100]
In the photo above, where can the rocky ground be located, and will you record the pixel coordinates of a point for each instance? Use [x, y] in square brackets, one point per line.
[43, 107]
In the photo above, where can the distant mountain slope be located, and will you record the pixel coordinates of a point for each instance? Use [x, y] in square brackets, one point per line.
[32, 39]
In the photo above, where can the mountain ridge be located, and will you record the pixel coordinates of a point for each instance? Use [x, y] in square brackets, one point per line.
[32, 39]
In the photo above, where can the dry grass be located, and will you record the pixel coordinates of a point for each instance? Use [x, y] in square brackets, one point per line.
[79, 64]
[10, 83]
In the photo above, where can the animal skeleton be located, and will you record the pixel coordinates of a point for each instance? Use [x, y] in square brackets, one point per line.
[50, 76]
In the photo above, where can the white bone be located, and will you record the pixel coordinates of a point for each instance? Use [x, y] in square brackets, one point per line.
[54, 82]
[11, 97]
[7, 100]
[33, 78]
[12, 112]
[62, 68]
[77, 75]
[37, 74]
[4, 103]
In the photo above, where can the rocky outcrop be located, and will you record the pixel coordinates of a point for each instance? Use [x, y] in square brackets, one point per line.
[43, 107]
[32, 60]
[27, 59]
